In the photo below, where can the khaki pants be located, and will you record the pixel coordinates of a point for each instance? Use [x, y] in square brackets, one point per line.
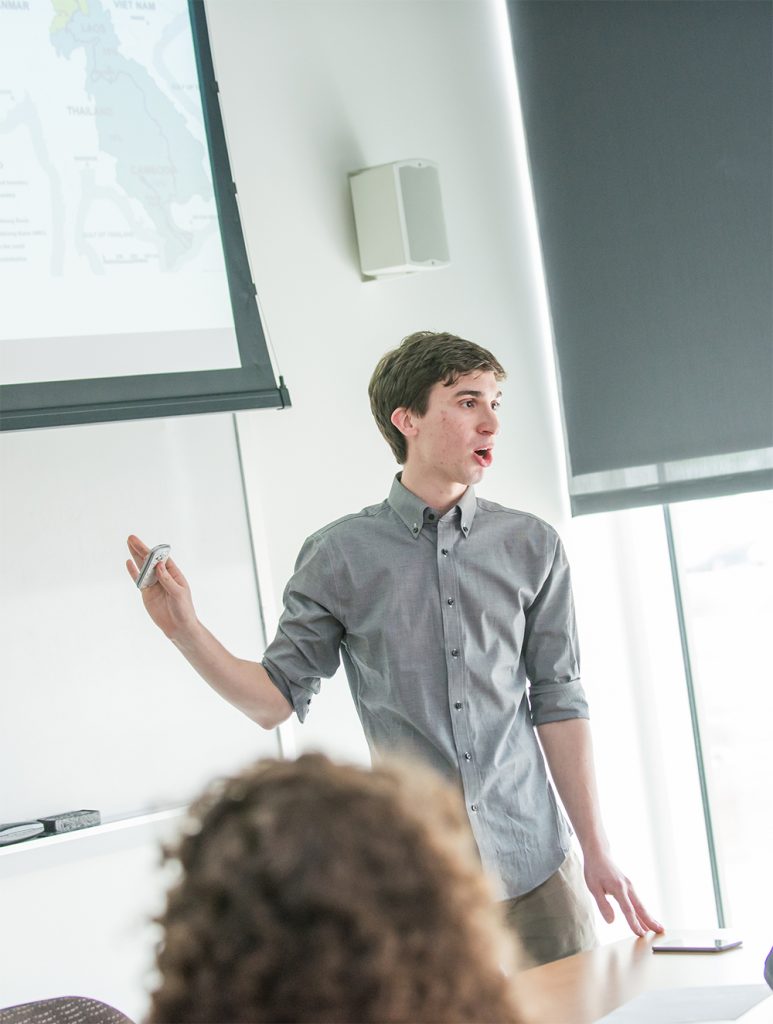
[555, 919]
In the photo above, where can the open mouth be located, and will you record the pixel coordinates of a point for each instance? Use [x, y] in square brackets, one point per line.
[483, 456]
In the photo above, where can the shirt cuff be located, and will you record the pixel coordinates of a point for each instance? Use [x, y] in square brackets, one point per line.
[557, 702]
[297, 695]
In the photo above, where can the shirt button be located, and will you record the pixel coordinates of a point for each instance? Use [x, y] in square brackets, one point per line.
[415, 528]
[467, 755]
[450, 601]
[473, 807]
[464, 528]
[458, 705]
[431, 516]
[444, 551]
[454, 653]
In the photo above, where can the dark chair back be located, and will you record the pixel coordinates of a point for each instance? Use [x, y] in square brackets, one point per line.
[63, 1010]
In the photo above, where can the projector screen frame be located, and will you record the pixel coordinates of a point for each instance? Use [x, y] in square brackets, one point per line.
[252, 385]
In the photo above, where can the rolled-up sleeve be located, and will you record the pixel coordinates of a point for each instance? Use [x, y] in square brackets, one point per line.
[550, 647]
[308, 638]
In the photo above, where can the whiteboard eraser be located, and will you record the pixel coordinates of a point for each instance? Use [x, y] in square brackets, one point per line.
[70, 821]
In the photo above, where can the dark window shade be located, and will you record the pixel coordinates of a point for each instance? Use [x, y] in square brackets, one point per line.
[649, 129]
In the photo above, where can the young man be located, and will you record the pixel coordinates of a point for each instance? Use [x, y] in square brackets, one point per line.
[455, 622]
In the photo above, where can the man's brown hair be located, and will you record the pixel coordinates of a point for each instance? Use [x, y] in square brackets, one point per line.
[405, 376]
[312, 891]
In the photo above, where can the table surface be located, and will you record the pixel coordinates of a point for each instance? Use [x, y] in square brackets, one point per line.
[585, 987]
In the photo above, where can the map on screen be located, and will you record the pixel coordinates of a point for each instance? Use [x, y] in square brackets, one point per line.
[110, 249]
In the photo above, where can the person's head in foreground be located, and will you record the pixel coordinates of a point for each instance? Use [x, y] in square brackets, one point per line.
[312, 891]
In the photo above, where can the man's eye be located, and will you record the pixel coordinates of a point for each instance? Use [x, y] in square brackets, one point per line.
[495, 405]
[468, 403]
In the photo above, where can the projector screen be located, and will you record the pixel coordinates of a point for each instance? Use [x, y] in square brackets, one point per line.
[126, 286]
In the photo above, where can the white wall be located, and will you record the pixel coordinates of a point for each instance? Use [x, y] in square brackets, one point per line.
[348, 85]
[311, 91]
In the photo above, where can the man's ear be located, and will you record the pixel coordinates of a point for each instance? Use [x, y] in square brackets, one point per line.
[405, 421]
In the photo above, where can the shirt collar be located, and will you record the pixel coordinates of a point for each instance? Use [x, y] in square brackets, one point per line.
[414, 512]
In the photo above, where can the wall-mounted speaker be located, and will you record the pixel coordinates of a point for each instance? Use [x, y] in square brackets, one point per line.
[398, 212]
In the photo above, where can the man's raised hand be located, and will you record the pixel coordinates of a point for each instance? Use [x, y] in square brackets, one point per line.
[168, 602]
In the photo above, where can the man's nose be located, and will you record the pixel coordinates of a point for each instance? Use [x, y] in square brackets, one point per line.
[490, 423]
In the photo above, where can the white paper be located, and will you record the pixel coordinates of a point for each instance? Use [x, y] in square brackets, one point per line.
[721, 1004]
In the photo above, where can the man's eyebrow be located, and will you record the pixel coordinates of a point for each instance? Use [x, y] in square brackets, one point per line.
[473, 393]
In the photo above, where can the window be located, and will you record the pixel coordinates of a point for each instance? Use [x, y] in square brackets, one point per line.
[725, 562]
[653, 785]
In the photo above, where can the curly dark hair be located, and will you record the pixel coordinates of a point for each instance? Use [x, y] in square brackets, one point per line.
[312, 891]
[405, 376]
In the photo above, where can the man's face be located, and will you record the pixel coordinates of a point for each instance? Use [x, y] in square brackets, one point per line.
[453, 441]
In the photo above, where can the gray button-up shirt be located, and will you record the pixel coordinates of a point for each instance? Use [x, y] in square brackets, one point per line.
[458, 637]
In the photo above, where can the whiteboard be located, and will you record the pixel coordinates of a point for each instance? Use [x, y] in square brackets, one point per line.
[97, 708]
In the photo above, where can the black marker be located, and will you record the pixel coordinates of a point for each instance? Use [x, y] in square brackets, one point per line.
[17, 831]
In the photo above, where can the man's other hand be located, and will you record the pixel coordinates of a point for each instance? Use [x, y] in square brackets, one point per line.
[604, 879]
